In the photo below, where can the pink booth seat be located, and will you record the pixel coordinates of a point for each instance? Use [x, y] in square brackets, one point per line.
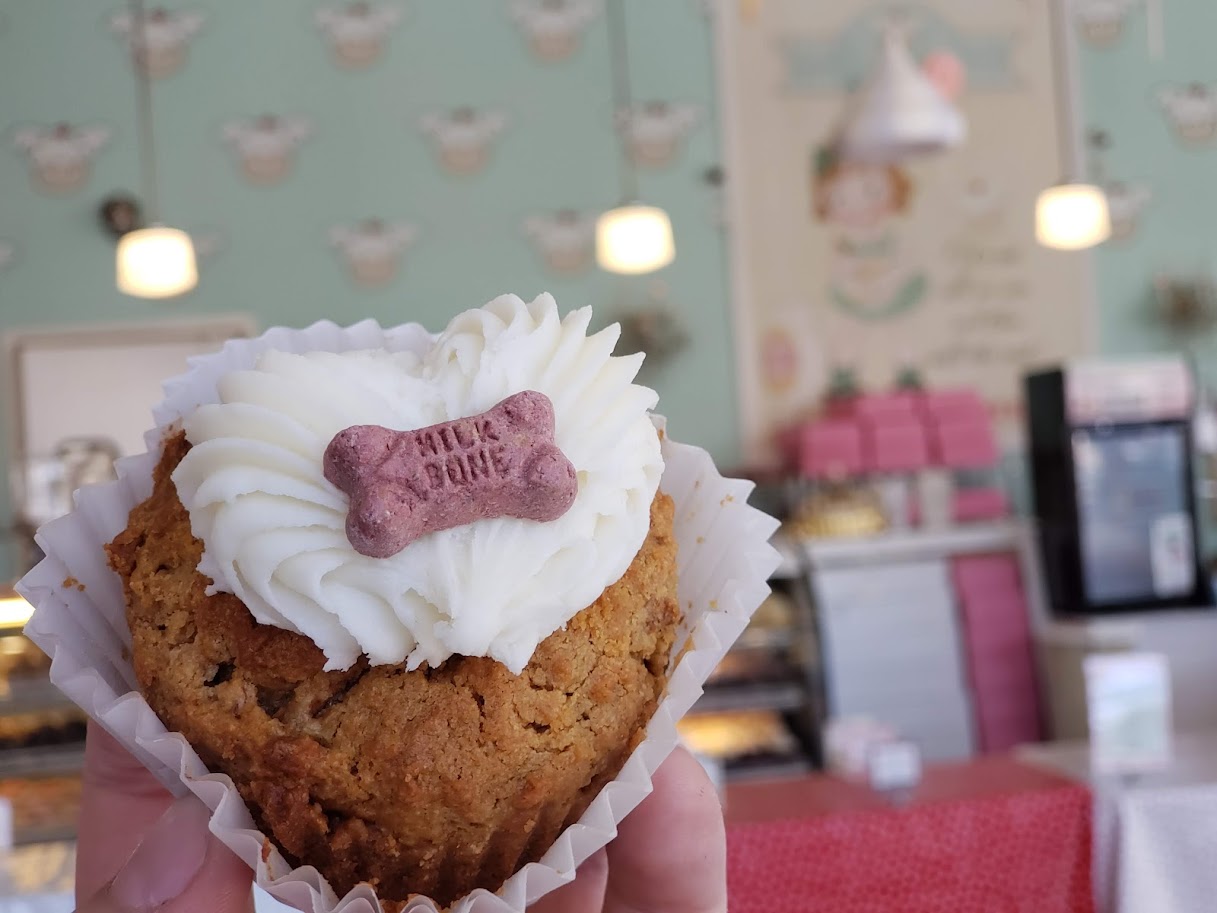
[830, 450]
[894, 442]
[964, 443]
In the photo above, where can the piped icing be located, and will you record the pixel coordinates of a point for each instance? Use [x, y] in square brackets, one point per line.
[274, 528]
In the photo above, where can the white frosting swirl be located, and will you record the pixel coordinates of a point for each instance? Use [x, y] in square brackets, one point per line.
[273, 528]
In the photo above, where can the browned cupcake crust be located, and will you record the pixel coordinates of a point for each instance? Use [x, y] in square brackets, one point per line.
[437, 781]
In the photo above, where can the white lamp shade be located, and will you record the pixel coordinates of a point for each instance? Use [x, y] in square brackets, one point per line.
[156, 262]
[899, 114]
[1072, 216]
[634, 239]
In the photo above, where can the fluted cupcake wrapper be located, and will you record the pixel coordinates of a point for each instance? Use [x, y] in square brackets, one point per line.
[724, 562]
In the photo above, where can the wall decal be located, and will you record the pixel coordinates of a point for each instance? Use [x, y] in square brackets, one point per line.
[843, 59]
[358, 32]
[462, 138]
[554, 27]
[565, 240]
[862, 205]
[779, 360]
[266, 146]
[161, 46]
[372, 249]
[1100, 23]
[61, 156]
[1191, 111]
[1126, 203]
[654, 132]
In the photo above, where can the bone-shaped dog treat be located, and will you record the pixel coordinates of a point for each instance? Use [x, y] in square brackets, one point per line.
[405, 484]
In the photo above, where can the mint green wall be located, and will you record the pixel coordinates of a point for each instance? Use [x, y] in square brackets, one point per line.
[1176, 231]
[60, 61]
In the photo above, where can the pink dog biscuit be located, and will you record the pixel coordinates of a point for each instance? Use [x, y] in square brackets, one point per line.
[405, 484]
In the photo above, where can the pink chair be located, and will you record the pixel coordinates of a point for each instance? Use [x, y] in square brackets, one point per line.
[941, 405]
[894, 442]
[875, 406]
[830, 450]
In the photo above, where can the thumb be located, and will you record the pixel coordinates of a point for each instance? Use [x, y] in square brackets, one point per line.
[670, 855]
[165, 857]
[177, 866]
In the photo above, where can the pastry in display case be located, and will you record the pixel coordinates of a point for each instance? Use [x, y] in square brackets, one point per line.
[743, 741]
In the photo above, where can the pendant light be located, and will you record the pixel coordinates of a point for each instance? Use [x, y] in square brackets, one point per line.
[154, 261]
[899, 113]
[1072, 214]
[633, 238]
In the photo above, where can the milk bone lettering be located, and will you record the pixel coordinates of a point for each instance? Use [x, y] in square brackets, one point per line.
[463, 451]
[405, 484]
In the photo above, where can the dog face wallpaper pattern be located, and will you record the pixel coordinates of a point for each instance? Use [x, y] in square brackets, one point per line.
[344, 159]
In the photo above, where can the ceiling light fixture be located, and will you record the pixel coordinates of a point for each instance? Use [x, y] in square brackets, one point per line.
[899, 113]
[1073, 213]
[152, 261]
[633, 238]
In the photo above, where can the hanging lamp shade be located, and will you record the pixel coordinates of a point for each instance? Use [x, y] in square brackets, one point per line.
[1072, 216]
[899, 113]
[156, 262]
[634, 239]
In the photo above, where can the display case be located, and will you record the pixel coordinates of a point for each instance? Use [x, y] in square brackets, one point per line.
[762, 709]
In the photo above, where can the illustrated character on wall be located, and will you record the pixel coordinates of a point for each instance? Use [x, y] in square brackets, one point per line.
[60, 156]
[779, 360]
[1191, 111]
[654, 132]
[1100, 23]
[266, 145]
[462, 138]
[358, 31]
[861, 204]
[160, 46]
[1126, 202]
[554, 27]
[565, 240]
[373, 249]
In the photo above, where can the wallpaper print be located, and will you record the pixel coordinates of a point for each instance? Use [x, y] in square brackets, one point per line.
[565, 240]
[554, 28]
[60, 156]
[357, 32]
[265, 146]
[372, 249]
[462, 138]
[1190, 111]
[161, 46]
[654, 132]
[1100, 23]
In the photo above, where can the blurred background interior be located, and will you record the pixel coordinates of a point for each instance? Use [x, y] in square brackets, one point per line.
[941, 276]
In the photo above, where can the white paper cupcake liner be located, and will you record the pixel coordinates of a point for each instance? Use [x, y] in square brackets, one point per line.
[724, 562]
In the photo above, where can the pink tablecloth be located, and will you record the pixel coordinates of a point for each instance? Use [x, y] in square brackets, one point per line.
[990, 836]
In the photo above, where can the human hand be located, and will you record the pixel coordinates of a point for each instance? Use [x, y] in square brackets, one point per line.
[669, 856]
[164, 856]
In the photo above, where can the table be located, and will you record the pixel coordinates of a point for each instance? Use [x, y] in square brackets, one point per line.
[1156, 833]
[987, 836]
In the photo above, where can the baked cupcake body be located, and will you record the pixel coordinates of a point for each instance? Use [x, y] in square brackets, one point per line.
[433, 780]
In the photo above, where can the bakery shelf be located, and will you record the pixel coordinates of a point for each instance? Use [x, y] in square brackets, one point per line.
[913, 545]
[767, 768]
[44, 760]
[757, 638]
[32, 695]
[779, 696]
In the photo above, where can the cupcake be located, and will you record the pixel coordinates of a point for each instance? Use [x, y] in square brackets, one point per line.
[404, 608]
